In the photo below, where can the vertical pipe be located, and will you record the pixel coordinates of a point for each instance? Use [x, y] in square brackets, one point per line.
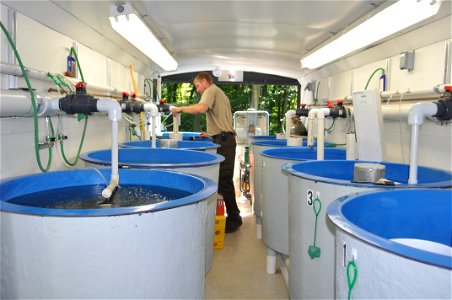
[153, 124]
[412, 179]
[447, 63]
[271, 261]
[320, 135]
[12, 27]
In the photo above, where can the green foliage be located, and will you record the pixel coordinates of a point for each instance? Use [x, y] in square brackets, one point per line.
[276, 99]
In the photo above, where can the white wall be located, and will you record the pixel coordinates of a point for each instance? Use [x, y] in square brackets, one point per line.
[435, 148]
[45, 49]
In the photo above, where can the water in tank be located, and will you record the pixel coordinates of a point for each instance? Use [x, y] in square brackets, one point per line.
[313, 185]
[53, 247]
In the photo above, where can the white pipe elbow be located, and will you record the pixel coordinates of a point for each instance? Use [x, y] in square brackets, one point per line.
[112, 107]
[108, 191]
[152, 108]
[290, 114]
[420, 111]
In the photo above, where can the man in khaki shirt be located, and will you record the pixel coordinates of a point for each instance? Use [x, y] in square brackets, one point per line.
[215, 104]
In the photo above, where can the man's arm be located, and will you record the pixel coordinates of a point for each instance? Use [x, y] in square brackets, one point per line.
[195, 109]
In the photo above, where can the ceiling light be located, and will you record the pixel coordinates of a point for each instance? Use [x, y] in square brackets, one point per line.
[126, 22]
[394, 18]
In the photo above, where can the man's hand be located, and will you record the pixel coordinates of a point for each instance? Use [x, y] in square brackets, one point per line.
[176, 110]
[203, 134]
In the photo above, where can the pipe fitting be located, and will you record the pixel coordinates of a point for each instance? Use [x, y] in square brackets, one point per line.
[420, 111]
[110, 106]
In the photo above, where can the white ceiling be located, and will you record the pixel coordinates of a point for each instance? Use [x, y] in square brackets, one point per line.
[260, 36]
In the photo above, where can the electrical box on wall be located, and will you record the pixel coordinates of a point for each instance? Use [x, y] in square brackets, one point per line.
[407, 60]
[369, 125]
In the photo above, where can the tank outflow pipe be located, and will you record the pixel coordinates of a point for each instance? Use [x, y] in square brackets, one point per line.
[319, 114]
[441, 109]
[87, 104]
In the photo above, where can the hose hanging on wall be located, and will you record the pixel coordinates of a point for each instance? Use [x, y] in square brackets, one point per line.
[33, 101]
[81, 116]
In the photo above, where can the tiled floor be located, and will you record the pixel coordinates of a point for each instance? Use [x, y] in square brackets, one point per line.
[239, 270]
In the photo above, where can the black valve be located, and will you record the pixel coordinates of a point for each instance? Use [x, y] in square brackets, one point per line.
[163, 106]
[338, 110]
[444, 112]
[80, 102]
[302, 111]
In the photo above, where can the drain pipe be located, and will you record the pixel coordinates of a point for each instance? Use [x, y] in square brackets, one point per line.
[80, 102]
[442, 110]
[320, 114]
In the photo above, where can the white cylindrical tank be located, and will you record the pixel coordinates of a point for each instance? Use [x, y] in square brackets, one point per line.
[188, 161]
[275, 196]
[256, 176]
[395, 244]
[146, 251]
[183, 145]
[313, 185]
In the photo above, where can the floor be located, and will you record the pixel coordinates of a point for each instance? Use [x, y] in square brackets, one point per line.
[239, 269]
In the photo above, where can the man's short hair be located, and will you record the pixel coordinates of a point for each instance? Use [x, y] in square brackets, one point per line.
[203, 75]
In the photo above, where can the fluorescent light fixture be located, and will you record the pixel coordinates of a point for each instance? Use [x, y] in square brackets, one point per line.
[125, 21]
[396, 17]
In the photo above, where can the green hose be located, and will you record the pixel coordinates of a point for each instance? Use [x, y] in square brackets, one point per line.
[368, 81]
[79, 147]
[33, 102]
[351, 280]
[56, 82]
[80, 117]
[78, 64]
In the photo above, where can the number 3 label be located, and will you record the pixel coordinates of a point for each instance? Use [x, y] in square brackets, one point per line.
[309, 197]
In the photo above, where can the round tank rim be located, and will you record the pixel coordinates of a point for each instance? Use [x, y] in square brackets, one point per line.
[334, 212]
[207, 145]
[218, 159]
[209, 187]
[268, 152]
[289, 170]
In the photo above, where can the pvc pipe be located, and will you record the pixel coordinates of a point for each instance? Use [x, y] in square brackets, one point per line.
[412, 94]
[289, 115]
[152, 108]
[271, 261]
[40, 75]
[311, 118]
[283, 263]
[258, 228]
[114, 114]
[416, 117]
[17, 103]
[320, 114]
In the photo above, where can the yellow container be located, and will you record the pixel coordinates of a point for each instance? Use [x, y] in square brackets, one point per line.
[219, 227]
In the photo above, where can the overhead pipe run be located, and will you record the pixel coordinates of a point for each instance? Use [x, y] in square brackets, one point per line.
[92, 88]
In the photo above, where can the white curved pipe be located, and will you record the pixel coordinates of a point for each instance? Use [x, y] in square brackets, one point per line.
[289, 115]
[416, 116]
[114, 111]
